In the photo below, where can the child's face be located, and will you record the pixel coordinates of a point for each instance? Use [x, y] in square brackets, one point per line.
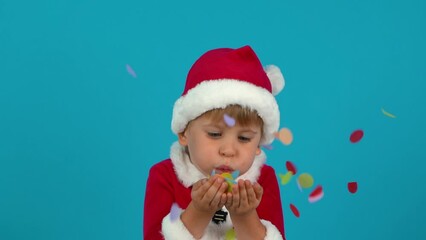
[215, 146]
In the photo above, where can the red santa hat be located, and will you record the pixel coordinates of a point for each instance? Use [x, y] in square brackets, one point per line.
[226, 76]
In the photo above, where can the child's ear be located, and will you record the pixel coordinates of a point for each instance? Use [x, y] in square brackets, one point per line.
[258, 151]
[183, 139]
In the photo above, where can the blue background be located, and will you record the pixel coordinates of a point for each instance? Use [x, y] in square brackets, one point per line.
[78, 133]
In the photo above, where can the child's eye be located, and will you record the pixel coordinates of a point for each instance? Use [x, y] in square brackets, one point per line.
[244, 139]
[214, 134]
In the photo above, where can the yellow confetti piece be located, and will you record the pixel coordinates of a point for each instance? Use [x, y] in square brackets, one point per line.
[229, 179]
[230, 234]
[388, 114]
[285, 136]
[305, 180]
[285, 178]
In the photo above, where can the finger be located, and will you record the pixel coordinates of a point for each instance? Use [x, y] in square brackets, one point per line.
[223, 199]
[198, 184]
[228, 203]
[230, 196]
[198, 189]
[213, 189]
[243, 193]
[236, 195]
[251, 195]
[206, 184]
[217, 198]
[258, 190]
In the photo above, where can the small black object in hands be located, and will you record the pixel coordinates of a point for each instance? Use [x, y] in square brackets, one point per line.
[219, 217]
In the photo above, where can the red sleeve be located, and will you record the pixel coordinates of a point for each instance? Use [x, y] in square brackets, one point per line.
[158, 199]
[270, 207]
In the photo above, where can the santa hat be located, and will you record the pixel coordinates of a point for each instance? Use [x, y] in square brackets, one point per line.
[226, 76]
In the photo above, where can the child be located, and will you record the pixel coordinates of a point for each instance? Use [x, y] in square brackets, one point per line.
[226, 113]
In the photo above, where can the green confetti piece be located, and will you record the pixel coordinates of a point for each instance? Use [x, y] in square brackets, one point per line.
[230, 234]
[305, 180]
[285, 178]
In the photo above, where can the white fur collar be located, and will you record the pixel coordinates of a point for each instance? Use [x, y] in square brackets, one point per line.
[188, 174]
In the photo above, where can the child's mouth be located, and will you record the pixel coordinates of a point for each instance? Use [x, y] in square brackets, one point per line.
[222, 169]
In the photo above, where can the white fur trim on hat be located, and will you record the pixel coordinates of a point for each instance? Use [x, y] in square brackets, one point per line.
[220, 93]
[276, 78]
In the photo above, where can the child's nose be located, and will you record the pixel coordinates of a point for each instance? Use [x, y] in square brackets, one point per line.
[227, 149]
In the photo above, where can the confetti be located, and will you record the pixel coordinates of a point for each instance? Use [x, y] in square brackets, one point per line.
[388, 114]
[130, 70]
[235, 174]
[294, 210]
[175, 212]
[316, 194]
[285, 136]
[356, 136]
[269, 146]
[285, 178]
[291, 167]
[305, 180]
[230, 122]
[352, 187]
[230, 178]
[230, 234]
[298, 186]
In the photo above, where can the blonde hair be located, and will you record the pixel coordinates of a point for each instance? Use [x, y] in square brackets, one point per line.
[242, 115]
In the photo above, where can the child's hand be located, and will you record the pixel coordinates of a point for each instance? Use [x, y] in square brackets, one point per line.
[208, 195]
[244, 198]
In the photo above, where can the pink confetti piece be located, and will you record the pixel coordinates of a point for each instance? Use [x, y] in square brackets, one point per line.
[230, 121]
[175, 212]
[352, 187]
[316, 195]
[130, 70]
[356, 136]
[294, 210]
[316, 198]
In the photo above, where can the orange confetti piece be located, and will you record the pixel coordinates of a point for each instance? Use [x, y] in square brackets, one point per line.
[285, 136]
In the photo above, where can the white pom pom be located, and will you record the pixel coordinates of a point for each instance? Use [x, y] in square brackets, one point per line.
[276, 78]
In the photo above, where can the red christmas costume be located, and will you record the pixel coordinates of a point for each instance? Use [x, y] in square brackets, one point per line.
[164, 187]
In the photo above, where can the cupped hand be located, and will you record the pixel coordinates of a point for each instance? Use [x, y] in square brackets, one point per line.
[244, 198]
[208, 195]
